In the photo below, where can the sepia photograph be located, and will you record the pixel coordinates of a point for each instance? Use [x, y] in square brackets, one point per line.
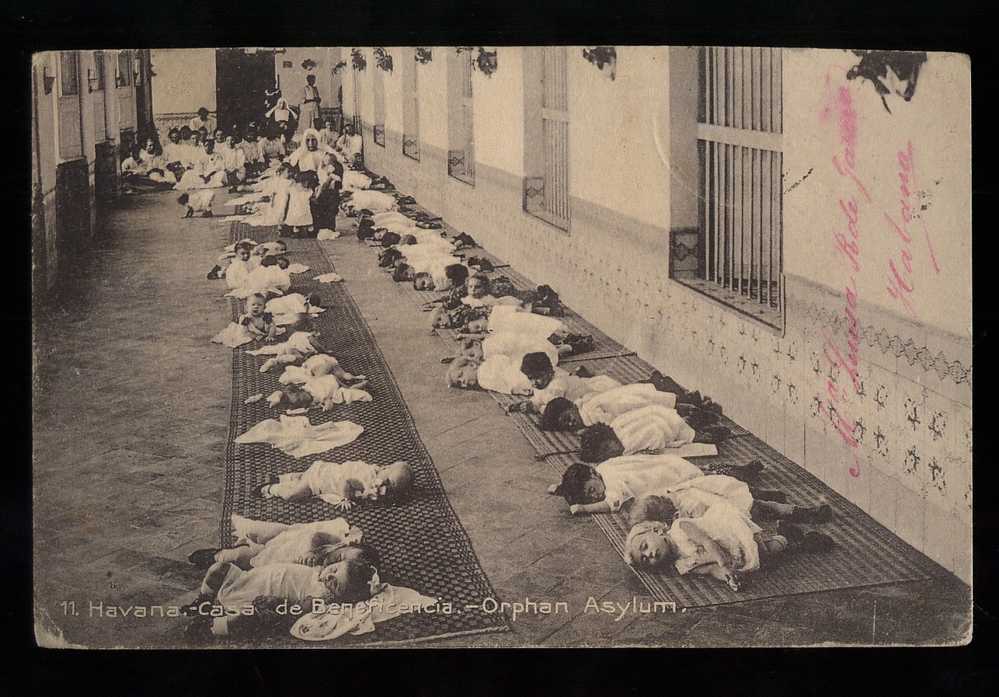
[501, 346]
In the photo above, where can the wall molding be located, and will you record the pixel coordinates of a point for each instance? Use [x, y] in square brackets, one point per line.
[880, 328]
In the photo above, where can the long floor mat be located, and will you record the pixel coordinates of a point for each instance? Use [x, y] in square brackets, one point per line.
[420, 540]
[866, 553]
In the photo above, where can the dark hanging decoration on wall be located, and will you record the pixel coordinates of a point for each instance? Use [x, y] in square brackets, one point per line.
[308, 64]
[357, 59]
[485, 61]
[604, 57]
[423, 55]
[339, 67]
[382, 59]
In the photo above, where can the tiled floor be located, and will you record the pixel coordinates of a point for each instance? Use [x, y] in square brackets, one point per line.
[130, 430]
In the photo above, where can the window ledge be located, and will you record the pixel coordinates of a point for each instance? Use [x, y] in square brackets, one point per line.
[560, 225]
[768, 317]
[463, 178]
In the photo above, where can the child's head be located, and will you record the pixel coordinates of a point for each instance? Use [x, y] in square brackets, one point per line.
[174, 135]
[581, 484]
[463, 373]
[388, 257]
[328, 123]
[183, 199]
[256, 303]
[502, 286]
[472, 348]
[477, 325]
[282, 263]
[403, 272]
[185, 132]
[203, 113]
[310, 180]
[230, 141]
[392, 481]
[243, 252]
[651, 507]
[457, 274]
[561, 415]
[314, 300]
[209, 146]
[347, 581]
[197, 137]
[334, 553]
[478, 285]
[537, 366]
[423, 281]
[647, 545]
[598, 443]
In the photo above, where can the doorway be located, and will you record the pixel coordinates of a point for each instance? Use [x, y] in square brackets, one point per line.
[241, 79]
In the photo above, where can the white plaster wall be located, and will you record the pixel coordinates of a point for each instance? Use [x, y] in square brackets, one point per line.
[184, 81]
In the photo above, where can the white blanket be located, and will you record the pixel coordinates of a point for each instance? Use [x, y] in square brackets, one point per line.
[295, 436]
[360, 618]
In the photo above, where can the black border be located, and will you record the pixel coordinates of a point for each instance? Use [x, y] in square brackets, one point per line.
[943, 26]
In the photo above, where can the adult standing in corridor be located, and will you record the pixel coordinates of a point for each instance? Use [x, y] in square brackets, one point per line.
[309, 114]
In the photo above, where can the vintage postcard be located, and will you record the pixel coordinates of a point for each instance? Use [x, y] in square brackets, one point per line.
[501, 346]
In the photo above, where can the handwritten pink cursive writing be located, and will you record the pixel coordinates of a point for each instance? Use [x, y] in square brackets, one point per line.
[900, 277]
[847, 245]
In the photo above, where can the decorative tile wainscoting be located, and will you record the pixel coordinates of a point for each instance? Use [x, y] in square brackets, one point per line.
[911, 420]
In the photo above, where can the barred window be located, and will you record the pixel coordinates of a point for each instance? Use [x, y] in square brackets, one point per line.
[69, 73]
[123, 75]
[378, 128]
[461, 154]
[739, 133]
[99, 70]
[411, 109]
[546, 195]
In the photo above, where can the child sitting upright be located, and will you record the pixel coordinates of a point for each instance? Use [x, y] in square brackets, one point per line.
[256, 320]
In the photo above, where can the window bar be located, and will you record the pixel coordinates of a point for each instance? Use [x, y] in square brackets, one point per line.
[730, 87]
[760, 205]
[737, 87]
[754, 209]
[766, 233]
[747, 88]
[731, 213]
[766, 98]
[780, 230]
[716, 228]
[711, 95]
[779, 96]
